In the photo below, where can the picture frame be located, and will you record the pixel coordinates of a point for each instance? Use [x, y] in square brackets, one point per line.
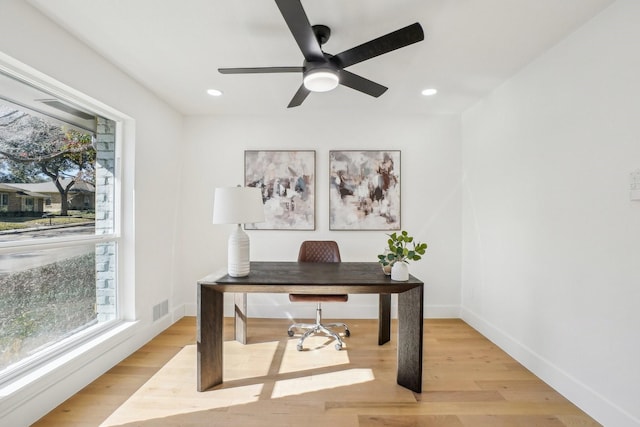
[364, 190]
[287, 181]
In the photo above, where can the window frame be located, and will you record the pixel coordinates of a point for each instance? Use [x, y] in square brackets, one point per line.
[124, 127]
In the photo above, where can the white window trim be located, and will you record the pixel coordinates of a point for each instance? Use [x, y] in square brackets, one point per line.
[16, 393]
[94, 342]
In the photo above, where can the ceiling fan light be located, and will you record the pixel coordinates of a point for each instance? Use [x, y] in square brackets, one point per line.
[321, 80]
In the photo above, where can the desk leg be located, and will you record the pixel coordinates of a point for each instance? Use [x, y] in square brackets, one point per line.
[240, 315]
[384, 319]
[209, 337]
[410, 330]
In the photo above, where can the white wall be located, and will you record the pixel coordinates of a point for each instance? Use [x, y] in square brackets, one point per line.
[430, 176]
[151, 152]
[551, 241]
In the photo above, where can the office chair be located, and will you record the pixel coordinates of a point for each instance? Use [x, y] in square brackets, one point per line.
[318, 251]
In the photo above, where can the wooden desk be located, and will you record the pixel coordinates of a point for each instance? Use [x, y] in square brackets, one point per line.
[311, 278]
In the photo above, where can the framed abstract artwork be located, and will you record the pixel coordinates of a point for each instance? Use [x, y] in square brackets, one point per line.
[287, 182]
[364, 190]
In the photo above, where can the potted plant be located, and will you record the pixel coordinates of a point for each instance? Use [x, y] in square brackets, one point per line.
[401, 249]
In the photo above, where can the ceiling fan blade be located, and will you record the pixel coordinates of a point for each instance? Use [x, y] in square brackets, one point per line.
[361, 84]
[387, 43]
[256, 70]
[299, 97]
[297, 21]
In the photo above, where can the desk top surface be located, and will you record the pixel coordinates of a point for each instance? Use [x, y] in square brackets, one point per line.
[309, 274]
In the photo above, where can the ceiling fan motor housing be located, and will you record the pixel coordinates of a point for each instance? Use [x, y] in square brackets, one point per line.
[322, 33]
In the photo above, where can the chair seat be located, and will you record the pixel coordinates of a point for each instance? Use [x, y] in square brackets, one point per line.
[317, 298]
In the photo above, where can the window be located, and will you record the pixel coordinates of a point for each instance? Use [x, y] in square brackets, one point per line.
[58, 269]
[4, 202]
[27, 204]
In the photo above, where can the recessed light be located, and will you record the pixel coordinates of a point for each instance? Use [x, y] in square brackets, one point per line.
[429, 92]
[214, 92]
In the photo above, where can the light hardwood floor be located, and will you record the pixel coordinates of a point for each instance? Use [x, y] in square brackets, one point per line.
[467, 381]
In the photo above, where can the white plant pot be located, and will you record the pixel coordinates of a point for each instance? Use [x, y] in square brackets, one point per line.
[400, 271]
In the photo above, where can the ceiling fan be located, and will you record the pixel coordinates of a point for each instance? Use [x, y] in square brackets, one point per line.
[322, 71]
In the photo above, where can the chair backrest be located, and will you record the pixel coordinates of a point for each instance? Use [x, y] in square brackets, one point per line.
[319, 251]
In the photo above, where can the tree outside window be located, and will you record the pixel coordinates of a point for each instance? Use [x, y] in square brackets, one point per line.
[33, 149]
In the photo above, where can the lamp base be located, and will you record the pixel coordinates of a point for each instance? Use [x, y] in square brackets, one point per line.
[238, 253]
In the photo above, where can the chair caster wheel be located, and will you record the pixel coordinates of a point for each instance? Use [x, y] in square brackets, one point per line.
[338, 346]
[347, 333]
[290, 333]
[299, 347]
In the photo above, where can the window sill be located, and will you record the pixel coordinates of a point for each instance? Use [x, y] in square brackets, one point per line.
[17, 392]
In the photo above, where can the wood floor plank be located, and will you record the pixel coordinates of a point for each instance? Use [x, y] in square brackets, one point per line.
[410, 421]
[468, 381]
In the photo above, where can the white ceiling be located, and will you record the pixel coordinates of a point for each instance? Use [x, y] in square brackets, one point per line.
[174, 48]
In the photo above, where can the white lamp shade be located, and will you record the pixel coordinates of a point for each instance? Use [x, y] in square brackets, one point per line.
[237, 205]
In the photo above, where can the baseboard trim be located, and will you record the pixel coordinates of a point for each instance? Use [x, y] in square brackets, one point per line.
[587, 399]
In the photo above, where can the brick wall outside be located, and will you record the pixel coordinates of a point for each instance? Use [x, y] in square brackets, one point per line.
[105, 252]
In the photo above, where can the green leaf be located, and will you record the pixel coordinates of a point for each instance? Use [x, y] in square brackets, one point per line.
[403, 247]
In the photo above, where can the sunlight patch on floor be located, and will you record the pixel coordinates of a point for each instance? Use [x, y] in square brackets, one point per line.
[238, 363]
[319, 352]
[160, 397]
[320, 382]
[172, 390]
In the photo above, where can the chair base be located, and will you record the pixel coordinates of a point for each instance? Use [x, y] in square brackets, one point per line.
[314, 328]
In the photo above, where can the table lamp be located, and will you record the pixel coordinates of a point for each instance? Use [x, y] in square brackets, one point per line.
[238, 205]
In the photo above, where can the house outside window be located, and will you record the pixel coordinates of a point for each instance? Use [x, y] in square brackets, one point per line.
[58, 273]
